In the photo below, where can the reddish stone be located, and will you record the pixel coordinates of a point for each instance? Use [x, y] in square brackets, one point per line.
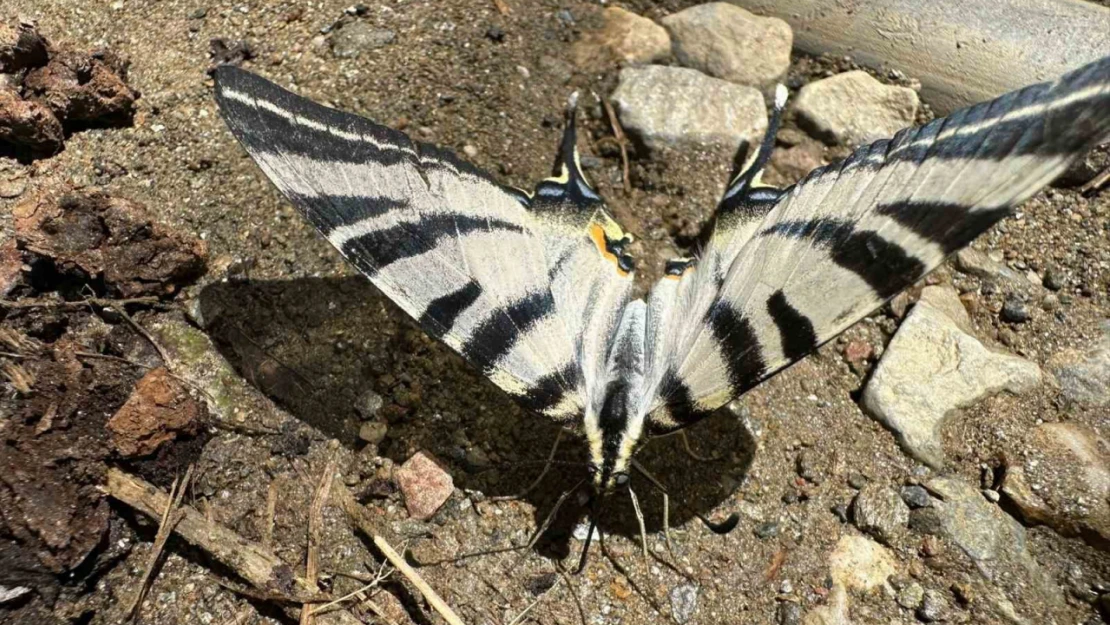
[424, 484]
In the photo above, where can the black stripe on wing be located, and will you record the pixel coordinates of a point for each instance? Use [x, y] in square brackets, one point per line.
[738, 344]
[796, 330]
[381, 248]
[885, 266]
[497, 335]
[282, 121]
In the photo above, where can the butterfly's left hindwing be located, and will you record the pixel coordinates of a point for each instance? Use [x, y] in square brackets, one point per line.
[787, 271]
[519, 285]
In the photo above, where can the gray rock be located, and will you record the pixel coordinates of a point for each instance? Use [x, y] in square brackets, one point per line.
[879, 511]
[788, 613]
[684, 602]
[910, 596]
[770, 529]
[981, 265]
[424, 484]
[933, 366]
[933, 606]
[673, 107]
[857, 480]
[916, 497]
[1084, 377]
[369, 404]
[725, 41]
[354, 38]
[994, 540]
[853, 108]
[1063, 481]
[1015, 310]
[12, 593]
[1054, 278]
[624, 38]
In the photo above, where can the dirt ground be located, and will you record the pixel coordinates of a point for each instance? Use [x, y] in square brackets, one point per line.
[297, 325]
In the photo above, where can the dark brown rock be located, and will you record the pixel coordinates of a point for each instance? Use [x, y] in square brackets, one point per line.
[21, 47]
[80, 88]
[30, 125]
[95, 236]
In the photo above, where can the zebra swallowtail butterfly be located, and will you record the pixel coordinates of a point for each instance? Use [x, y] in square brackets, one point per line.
[536, 288]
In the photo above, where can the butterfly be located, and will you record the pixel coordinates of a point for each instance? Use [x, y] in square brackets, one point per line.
[535, 288]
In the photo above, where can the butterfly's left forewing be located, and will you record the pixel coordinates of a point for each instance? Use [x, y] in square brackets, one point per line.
[517, 285]
[784, 273]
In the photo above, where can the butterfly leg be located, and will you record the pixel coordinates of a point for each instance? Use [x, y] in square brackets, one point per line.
[539, 478]
[640, 519]
[693, 454]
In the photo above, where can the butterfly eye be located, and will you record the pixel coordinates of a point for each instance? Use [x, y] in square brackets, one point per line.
[622, 479]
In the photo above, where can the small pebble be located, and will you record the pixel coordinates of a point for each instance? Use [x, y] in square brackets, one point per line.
[1015, 310]
[910, 596]
[495, 34]
[788, 613]
[991, 495]
[470, 151]
[857, 480]
[841, 512]
[684, 602]
[1054, 279]
[916, 497]
[932, 607]
[767, 530]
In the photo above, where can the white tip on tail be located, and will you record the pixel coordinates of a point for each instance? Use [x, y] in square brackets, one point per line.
[780, 95]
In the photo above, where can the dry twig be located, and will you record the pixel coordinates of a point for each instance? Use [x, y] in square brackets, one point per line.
[433, 599]
[170, 516]
[249, 560]
[70, 305]
[502, 7]
[622, 142]
[315, 521]
[1094, 184]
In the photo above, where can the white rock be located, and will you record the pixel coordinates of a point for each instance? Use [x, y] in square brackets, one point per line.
[674, 107]
[853, 108]
[859, 563]
[934, 366]
[725, 41]
[684, 602]
[624, 38]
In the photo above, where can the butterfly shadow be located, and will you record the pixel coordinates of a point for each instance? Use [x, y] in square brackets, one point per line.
[337, 354]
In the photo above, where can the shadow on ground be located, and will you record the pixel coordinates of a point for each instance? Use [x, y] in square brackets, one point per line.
[324, 347]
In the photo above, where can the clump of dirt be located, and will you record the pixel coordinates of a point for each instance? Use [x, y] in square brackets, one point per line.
[46, 93]
[73, 363]
[108, 243]
[159, 410]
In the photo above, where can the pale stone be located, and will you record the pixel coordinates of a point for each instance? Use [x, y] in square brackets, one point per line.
[853, 108]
